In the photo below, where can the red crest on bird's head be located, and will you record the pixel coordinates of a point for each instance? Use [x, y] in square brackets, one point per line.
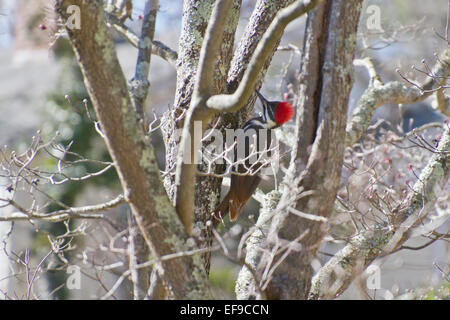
[283, 112]
[275, 113]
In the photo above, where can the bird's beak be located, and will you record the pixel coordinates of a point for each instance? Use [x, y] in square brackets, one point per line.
[264, 102]
[260, 96]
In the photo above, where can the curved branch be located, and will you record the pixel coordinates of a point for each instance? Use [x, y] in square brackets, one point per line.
[203, 106]
[235, 101]
[260, 19]
[86, 212]
[185, 176]
[204, 83]
[158, 48]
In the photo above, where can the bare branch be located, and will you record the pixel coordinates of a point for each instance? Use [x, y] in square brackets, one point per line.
[62, 215]
[139, 85]
[177, 255]
[378, 94]
[158, 48]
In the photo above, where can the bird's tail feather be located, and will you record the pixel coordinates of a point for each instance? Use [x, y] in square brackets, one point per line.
[230, 205]
[223, 208]
[235, 209]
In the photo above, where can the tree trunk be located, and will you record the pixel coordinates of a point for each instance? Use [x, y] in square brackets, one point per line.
[229, 71]
[327, 109]
[133, 154]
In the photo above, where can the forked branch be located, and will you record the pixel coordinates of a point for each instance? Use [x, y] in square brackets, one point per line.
[204, 106]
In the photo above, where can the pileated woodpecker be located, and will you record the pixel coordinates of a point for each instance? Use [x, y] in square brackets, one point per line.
[242, 187]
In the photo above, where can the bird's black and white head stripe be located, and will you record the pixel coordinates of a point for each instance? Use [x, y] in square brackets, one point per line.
[268, 112]
[255, 123]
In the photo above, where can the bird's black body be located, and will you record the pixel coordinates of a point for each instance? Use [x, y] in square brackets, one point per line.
[244, 181]
[242, 187]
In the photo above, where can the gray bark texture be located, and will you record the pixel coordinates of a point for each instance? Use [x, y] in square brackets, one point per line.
[328, 53]
[229, 71]
[196, 15]
[133, 155]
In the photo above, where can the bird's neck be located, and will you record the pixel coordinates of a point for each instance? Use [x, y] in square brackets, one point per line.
[255, 123]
